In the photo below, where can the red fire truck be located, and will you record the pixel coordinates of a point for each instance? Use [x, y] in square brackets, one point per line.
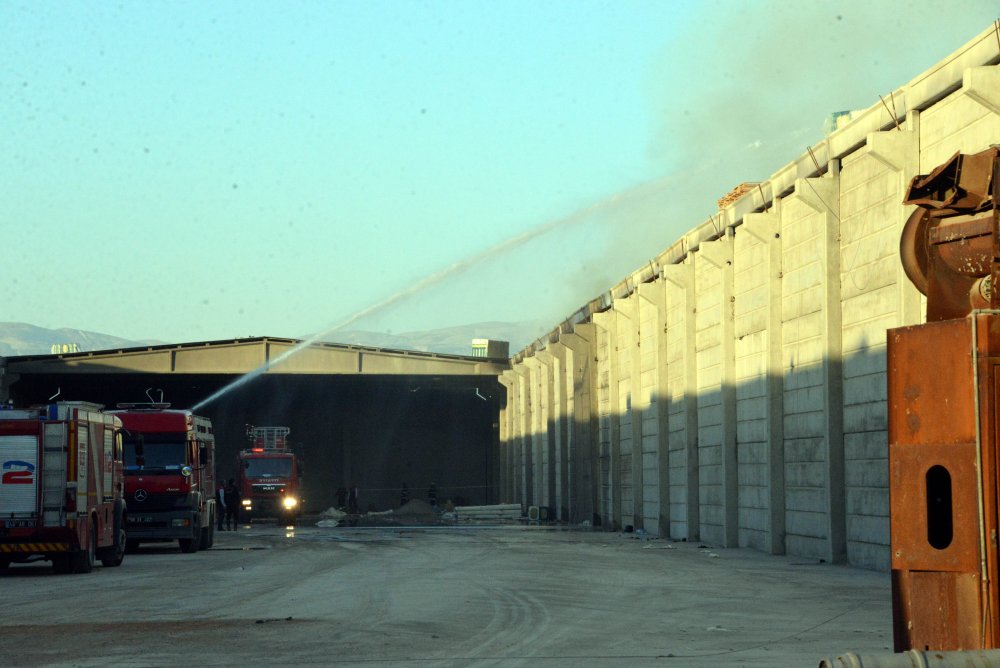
[61, 490]
[169, 475]
[270, 475]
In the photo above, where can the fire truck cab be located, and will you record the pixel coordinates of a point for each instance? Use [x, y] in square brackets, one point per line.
[61, 487]
[169, 460]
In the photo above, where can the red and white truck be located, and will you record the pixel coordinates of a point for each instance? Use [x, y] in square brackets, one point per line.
[169, 475]
[61, 487]
[270, 475]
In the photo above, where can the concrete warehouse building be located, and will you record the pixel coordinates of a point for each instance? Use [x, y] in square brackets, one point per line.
[733, 391]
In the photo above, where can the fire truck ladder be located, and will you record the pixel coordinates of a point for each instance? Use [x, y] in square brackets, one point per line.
[271, 438]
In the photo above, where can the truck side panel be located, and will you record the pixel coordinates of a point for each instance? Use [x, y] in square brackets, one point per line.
[18, 475]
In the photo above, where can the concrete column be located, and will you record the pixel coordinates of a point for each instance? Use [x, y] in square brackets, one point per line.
[682, 275]
[900, 152]
[506, 413]
[766, 228]
[654, 294]
[720, 255]
[627, 314]
[548, 369]
[540, 418]
[582, 462]
[606, 321]
[823, 196]
[526, 479]
[563, 386]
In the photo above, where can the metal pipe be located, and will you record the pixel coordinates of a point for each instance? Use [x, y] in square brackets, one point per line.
[979, 474]
[983, 658]
[984, 574]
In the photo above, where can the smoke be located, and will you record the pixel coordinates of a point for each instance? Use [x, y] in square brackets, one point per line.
[748, 90]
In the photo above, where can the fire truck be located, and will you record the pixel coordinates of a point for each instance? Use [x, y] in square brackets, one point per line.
[61, 489]
[269, 475]
[169, 459]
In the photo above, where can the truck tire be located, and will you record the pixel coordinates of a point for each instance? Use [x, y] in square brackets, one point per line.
[208, 536]
[114, 555]
[208, 533]
[83, 560]
[190, 545]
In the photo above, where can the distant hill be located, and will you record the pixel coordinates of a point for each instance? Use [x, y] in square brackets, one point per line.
[18, 338]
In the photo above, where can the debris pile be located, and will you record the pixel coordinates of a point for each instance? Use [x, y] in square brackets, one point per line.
[736, 193]
[501, 513]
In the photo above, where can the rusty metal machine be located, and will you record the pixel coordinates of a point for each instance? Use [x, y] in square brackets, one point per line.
[944, 414]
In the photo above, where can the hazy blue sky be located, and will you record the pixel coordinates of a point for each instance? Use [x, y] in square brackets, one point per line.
[188, 170]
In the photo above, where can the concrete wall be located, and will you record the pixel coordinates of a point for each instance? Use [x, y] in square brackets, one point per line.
[733, 391]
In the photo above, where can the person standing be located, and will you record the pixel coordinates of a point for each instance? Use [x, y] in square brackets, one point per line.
[352, 499]
[232, 500]
[220, 510]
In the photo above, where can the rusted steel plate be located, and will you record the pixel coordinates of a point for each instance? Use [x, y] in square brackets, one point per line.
[930, 384]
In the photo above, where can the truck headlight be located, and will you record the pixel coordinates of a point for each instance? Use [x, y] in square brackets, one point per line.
[246, 502]
[289, 502]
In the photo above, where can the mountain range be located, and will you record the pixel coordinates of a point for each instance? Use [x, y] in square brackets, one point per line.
[18, 338]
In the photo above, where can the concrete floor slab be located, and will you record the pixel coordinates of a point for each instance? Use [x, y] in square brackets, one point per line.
[515, 596]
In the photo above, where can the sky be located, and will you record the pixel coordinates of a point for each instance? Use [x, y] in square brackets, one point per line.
[185, 171]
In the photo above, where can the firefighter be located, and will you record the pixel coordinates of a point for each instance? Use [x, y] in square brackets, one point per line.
[220, 512]
[232, 501]
[352, 499]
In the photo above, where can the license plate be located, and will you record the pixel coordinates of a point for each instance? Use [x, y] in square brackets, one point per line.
[18, 524]
[140, 519]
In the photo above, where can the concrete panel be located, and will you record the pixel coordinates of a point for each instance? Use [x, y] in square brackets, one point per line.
[962, 122]
[763, 381]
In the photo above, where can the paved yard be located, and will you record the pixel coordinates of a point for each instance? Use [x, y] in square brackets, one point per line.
[518, 596]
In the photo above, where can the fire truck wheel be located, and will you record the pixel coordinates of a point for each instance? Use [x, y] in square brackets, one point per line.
[189, 545]
[83, 560]
[208, 536]
[116, 553]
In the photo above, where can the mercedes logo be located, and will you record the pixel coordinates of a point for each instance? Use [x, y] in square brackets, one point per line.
[140, 495]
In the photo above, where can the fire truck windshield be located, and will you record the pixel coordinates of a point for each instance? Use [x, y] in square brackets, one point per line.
[160, 452]
[268, 467]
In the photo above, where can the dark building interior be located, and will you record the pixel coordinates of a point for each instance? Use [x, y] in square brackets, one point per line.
[375, 431]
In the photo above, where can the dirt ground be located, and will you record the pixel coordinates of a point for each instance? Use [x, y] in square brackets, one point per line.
[442, 596]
